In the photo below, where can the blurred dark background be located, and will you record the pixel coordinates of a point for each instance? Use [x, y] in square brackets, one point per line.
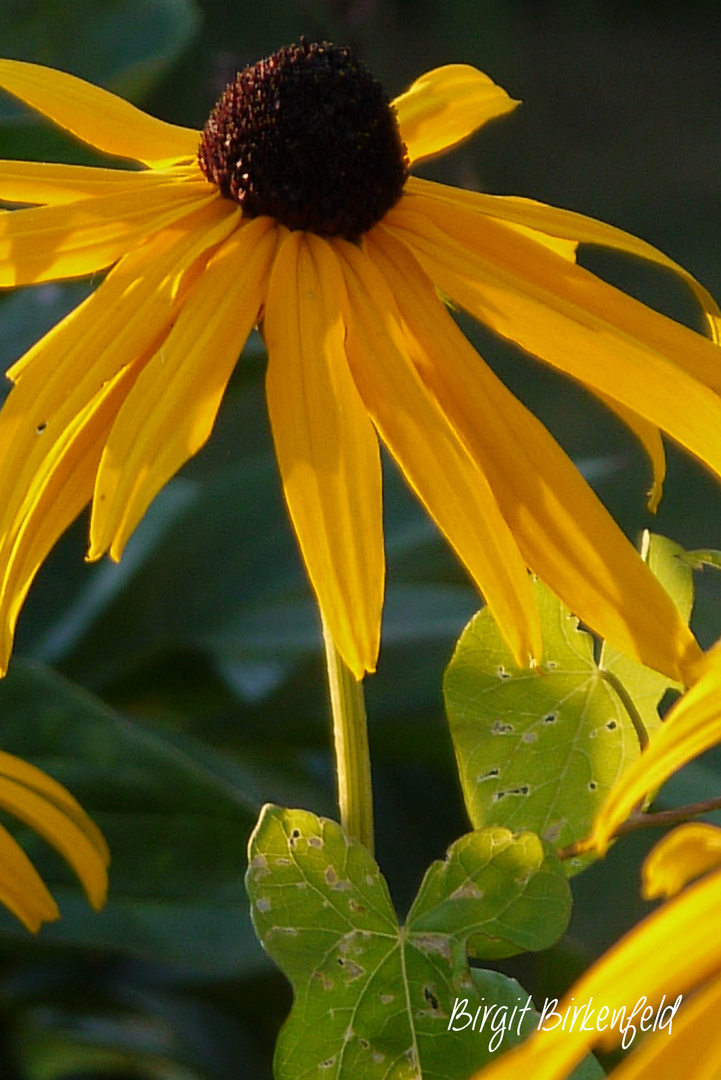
[177, 692]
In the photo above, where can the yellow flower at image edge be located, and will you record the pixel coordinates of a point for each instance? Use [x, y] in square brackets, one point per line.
[48, 808]
[318, 230]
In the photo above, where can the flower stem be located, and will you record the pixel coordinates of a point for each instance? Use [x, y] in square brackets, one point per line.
[350, 733]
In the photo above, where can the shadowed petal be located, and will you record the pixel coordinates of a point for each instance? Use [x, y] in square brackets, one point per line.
[565, 534]
[22, 890]
[96, 116]
[170, 410]
[433, 459]
[48, 808]
[650, 438]
[446, 105]
[326, 446]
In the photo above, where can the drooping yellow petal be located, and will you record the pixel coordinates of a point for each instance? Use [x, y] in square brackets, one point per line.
[326, 446]
[47, 243]
[668, 953]
[650, 438]
[47, 183]
[59, 489]
[22, 890]
[569, 226]
[684, 854]
[49, 808]
[566, 316]
[690, 1051]
[96, 116]
[68, 388]
[433, 459]
[169, 412]
[565, 534]
[446, 105]
[690, 727]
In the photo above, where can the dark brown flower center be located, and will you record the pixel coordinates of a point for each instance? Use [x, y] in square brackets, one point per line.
[308, 137]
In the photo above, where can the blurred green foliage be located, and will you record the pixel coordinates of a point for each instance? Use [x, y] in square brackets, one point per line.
[178, 691]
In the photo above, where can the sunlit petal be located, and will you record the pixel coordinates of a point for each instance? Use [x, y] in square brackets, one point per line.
[77, 375]
[47, 183]
[564, 315]
[667, 954]
[691, 1051]
[684, 854]
[571, 227]
[433, 459]
[327, 449]
[170, 410]
[96, 116]
[564, 532]
[50, 242]
[446, 105]
[690, 727]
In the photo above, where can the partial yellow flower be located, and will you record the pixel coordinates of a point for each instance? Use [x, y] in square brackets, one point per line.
[690, 727]
[675, 950]
[284, 213]
[684, 854]
[48, 808]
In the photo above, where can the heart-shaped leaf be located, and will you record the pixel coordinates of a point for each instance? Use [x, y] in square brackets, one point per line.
[374, 999]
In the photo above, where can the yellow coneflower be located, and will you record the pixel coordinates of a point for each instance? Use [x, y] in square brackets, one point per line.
[294, 209]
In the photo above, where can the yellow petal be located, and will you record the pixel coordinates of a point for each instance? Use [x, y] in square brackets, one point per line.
[446, 105]
[690, 727]
[46, 243]
[169, 412]
[326, 447]
[566, 225]
[22, 890]
[49, 809]
[691, 1051]
[433, 459]
[564, 315]
[565, 534]
[96, 116]
[683, 854]
[670, 952]
[650, 438]
[77, 375]
[49, 183]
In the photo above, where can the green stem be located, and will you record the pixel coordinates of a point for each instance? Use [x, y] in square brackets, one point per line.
[350, 733]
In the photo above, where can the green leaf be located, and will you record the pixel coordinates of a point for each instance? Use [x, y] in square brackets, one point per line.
[646, 687]
[175, 813]
[120, 44]
[540, 749]
[701, 557]
[373, 999]
[536, 749]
